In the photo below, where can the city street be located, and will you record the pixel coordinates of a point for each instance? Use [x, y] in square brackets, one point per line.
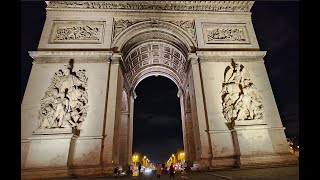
[290, 173]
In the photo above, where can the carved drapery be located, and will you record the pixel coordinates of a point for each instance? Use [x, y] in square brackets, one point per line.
[65, 103]
[239, 95]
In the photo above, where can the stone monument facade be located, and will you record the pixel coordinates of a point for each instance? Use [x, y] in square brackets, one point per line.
[77, 111]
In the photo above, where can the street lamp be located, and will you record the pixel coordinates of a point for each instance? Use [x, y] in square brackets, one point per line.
[135, 159]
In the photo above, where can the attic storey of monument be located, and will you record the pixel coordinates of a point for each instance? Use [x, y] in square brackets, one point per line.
[214, 60]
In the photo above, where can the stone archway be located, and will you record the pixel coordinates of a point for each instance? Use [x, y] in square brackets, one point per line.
[155, 57]
[114, 46]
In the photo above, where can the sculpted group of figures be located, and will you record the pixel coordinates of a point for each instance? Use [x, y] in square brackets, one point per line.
[239, 95]
[66, 101]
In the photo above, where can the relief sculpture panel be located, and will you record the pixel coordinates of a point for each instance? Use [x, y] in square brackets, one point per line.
[74, 32]
[215, 33]
[65, 103]
[240, 98]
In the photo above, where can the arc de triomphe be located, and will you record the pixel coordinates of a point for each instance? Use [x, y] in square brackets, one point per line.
[77, 111]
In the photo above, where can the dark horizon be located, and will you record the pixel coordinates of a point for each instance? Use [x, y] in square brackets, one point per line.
[276, 25]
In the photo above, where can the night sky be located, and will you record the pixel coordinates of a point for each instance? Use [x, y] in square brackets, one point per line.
[157, 121]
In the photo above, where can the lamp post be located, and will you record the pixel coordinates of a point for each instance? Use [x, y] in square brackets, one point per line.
[135, 159]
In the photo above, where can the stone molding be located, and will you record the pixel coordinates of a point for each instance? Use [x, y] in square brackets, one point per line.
[218, 131]
[193, 58]
[89, 137]
[116, 58]
[25, 140]
[226, 56]
[213, 6]
[277, 128]
[52, 136]
[65, 56]
[252, 127]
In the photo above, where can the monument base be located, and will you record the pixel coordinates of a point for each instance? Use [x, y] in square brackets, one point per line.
[105, 170]
[49, 152]
[39, 173]
[202, 164]
[225, 162]
[268, 160]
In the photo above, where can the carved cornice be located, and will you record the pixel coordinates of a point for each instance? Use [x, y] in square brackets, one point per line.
[193, 58]
[226, 56]
[116, 58]
[213, 6]
[65, 56]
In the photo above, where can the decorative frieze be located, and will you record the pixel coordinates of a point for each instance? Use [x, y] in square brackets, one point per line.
[240, 98]
[65, 56]
[77, 32]
[215, 33]
[215, 6]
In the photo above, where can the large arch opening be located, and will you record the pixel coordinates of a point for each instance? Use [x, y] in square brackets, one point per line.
[155, 49]
[157, 127]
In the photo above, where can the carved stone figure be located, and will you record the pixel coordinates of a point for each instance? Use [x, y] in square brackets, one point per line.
[66, 100]
[240, 97]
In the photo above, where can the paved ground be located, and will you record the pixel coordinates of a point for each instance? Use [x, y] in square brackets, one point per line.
[290, 173]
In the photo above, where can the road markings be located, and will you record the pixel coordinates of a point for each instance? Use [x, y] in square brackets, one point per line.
[227, 177]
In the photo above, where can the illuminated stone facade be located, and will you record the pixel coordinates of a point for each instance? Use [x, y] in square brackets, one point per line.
[81, 123]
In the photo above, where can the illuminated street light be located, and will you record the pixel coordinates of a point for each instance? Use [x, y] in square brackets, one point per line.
[135, 159]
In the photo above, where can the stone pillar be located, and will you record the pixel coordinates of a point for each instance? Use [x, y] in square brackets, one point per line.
[132, 96]
[190, 152]
[124, 129]
[110, 152]
[184, 128]
[199, 115]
